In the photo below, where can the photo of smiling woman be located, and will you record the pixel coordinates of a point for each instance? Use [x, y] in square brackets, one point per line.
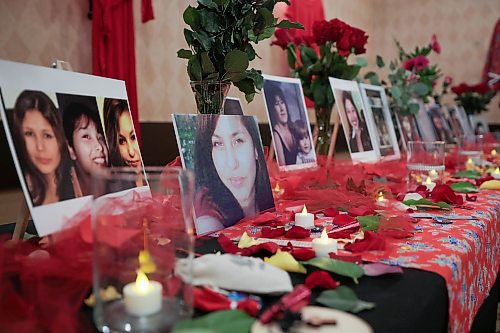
[86, 143]
[120, 134]
[359, 139]
[41, 147]
[232, 181]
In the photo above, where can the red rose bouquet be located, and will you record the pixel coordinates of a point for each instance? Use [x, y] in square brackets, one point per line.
[411, 77]
[473, 98]
[313, 59]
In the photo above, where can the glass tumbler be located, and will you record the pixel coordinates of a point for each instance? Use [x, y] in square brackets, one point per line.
[142, 228]
[470, 151]
[425, 162]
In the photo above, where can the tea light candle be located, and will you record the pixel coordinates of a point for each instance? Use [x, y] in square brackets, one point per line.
[278, 191]
[381, 200]
[493, 152]
[469, 165]
[304, 219]
[496, 174]
[433, 174]
[429, 184]
[324, 245]
[142, 297]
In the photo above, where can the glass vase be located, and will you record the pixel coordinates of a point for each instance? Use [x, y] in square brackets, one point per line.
[323, 128]
[210, 95]
[140, 236]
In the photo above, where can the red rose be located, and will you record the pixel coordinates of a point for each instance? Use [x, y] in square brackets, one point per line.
[435, 44]
[344, 42]
[283, 37]
[320, 32]
[408, 64]
[420, 62]
[335, 29]
[481, 88]
[358, 40]
[460, 89]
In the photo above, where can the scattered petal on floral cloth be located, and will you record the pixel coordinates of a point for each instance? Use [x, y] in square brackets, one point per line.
[483, 179]
[286, 261]
[246, 241]
[297, 232]
[471, 198]
[301, 253]
[377, 269]
[268, 232]
[331, 212]
[361, 211]
[354, 258]
[446, 194]
[371, 242]
[229, 247]
[264, 218]
[343, 219]
[321, 279]
[398, 227]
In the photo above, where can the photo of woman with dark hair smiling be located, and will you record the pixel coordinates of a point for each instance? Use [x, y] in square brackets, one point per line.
[286, 147]
[231, 176]
[358, 133]
[86, 143]
[120, 134]
[41, 147]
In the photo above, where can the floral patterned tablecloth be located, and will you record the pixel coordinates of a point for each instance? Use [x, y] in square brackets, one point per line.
[465, 253]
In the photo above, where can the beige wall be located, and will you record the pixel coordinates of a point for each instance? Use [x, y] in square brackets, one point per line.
[39, 31]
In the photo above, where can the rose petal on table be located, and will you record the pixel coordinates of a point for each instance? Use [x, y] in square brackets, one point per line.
[370, 242]
[331, 212]
[297, 232]
[302, 253]
[446, 194]
[246, 241]
[321, 279]
[264, 218]
[376, 269]
[268, 232]
[353, 258]
[285, 261]
[471, 198]
[343, 219]
[361, 211]
[227, 244]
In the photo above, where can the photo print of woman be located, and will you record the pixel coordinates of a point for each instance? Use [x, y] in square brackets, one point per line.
[285, 106]
[408, 128]
[41, 147]
[231, 177]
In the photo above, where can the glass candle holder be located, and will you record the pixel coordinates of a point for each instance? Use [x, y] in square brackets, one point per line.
[139, 235]
[425, 163]
[470, 151]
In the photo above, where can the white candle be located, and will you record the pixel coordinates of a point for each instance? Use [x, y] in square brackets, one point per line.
[304, 219]
[324, 245]
[433, 174]
[142, 297]
[469, 165]
[381, 200]
[496, 173]
[429, 184]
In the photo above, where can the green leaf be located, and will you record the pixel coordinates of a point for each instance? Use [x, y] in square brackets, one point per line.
[464, 187]
[471, 174]
[395, 92]
[208, 3]
[194, 69]
[235, 76]
[421, 89]
[285, 24]
[184, 54]
[257, 78]
[369, 223]
[207, 66]
[414, 108]
[424, 203]
[343, 298]
[236, 61]
[319, 91]
[380, 62]
[191, 17]
[361, 61]
[229, 321]
[337, 266]
[351, 72]
[210, 21]
[267, 16]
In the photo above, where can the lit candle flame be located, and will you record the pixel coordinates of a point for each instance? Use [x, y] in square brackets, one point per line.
[428, 181]
[304, 210]
[494, 153]
[141, 282]
[469, 161]
[433, 173]
[497, 171]
[324, 235]
[277, 188]
[380, 196]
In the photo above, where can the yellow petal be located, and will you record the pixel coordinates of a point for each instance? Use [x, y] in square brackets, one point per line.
[285, 261]
[246, 241]
[493, 184]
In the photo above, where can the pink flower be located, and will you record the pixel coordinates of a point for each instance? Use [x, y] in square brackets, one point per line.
[448, 80]
[408, 64]
[435, 44]
[420, 62]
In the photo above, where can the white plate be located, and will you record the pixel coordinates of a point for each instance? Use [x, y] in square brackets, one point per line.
[346, 323]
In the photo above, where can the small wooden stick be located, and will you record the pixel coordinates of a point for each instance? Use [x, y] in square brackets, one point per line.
[22, 222]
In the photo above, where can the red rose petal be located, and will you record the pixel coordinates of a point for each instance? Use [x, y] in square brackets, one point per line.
[361, 211]
[343, 219]
[354, 258]
[371, 242]
[321, 279]
[272, 232]
[303, 253]
[331, 212]
[297, 232]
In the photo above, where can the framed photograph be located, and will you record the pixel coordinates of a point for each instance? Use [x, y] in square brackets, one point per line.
[459, 122]
[441, 128]
[358, 129]
[232, 105]
[56, 134]
[289, 123]
[231, 176]
[408, 128]
[378, 110]
[424, 123]
[479, 124]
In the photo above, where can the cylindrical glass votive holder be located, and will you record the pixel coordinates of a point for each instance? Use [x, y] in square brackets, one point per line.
[425, 163]
[139, 235]
[470, 151]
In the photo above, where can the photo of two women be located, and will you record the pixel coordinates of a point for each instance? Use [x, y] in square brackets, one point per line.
[289, 124]
[60, 140]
